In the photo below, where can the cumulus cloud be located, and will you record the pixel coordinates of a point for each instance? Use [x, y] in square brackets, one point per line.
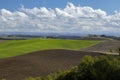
[75, 19]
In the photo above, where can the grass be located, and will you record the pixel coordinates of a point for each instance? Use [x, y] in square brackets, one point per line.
[19, 47]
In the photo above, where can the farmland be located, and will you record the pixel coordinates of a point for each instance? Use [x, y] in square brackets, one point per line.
[20, 47]
[20, 59]
[40, 63]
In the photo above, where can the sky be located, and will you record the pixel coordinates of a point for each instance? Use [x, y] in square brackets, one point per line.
[107, 5]
[76, 16]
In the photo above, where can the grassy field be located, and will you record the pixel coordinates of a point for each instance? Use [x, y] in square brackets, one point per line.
[19, 47]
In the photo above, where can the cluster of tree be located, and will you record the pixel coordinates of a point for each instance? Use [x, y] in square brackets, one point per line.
[99, 68]
[103, 36]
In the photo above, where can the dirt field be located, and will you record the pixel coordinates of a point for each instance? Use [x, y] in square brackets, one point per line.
[3, 41]
[40, 63]
[105, 46]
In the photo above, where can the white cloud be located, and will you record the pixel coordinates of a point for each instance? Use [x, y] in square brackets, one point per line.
[69, 19]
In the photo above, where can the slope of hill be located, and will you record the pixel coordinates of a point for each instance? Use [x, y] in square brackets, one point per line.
[40, 63]
[105, 47]
[19, 47]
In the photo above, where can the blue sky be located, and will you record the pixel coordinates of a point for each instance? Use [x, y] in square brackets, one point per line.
[107, 5]
[63, 16]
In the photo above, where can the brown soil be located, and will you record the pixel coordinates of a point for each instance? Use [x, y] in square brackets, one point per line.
[105, 46]
[40, 63]
[3, 41]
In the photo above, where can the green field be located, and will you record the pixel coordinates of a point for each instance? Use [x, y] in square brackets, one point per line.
[19, 47]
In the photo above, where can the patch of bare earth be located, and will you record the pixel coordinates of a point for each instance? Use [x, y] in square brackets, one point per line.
[105, 47]
[40, 63]
[1, 41]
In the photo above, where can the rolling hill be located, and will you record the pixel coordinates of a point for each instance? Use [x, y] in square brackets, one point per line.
[40, 63]
[19, 47]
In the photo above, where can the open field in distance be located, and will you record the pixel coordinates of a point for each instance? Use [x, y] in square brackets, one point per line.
[18, 47]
